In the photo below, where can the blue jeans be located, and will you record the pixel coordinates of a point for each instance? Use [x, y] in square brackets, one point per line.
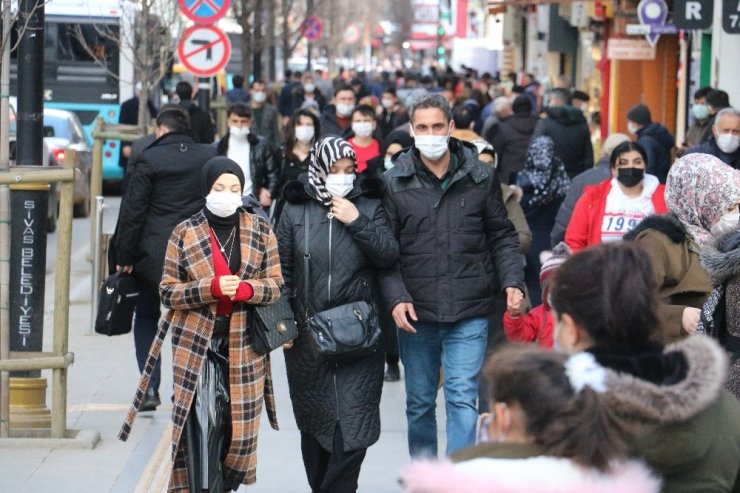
[458, 347]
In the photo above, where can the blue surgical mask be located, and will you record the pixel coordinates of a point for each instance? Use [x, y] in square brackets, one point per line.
[700, 111]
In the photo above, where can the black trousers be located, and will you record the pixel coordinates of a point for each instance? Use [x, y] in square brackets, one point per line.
[331, 472]
[145, 329]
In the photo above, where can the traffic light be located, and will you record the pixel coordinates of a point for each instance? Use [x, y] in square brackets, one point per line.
[440, 50]
[440, 30]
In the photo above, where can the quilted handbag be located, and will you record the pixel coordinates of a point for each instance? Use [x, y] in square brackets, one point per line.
[116, 304]
[272, 326]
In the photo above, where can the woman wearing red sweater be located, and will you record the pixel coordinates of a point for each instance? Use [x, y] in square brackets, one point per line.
[605, 212]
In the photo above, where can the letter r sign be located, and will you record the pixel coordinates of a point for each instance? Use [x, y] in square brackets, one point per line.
[693, 14]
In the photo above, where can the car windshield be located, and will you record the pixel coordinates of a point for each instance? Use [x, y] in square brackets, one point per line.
[57, 127]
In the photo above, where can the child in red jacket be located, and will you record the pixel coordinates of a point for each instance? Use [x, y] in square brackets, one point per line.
[538, 323]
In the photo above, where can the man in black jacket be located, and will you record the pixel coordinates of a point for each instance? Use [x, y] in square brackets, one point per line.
[201, 125]
[654, 138]
[458, 251]
[568, 128]
[510, 139]
[337, 117]
[163, 191]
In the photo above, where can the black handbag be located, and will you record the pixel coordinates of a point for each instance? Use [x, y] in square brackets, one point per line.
[116, 303]
[272, 326]
[344, 333]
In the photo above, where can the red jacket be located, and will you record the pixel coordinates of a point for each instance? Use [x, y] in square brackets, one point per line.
[584, 228]
[537, 325]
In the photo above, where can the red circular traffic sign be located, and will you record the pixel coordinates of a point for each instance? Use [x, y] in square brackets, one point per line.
[204, 50]
[312, 28]
[204, 12]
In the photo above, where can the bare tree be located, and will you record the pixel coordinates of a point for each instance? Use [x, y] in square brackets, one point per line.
[146, 37]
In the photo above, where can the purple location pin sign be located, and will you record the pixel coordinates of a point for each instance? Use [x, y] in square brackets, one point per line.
[652, 13]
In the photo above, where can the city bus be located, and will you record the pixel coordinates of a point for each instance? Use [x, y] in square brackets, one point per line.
[73, 80]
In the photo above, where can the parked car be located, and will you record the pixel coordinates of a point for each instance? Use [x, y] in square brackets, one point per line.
[62, 131]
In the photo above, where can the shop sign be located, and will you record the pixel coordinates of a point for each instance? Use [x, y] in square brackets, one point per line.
[629, 49]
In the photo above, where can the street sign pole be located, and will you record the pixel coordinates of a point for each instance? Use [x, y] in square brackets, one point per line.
[309, 13]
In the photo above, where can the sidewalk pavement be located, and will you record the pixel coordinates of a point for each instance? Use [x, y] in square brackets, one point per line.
[102, 383]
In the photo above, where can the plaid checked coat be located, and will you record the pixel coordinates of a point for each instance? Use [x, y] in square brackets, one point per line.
[186, 293]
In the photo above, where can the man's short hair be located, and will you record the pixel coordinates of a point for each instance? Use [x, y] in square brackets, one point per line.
[364, 110]
[239, 109]
[718, 99]
[174, 119]
[390, 90]
[343, 87]
[238, 81]
[184, 90]
[500, 103]
[561, 95]
[702, 92]
[463, 117]
[725, 112]
[580, 95]
[426, 101]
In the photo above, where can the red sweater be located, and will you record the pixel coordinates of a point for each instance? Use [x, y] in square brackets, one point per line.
[537, 325]
[243, 293]
[584, 228]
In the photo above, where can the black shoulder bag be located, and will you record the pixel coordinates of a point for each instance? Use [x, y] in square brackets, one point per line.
[344, 333]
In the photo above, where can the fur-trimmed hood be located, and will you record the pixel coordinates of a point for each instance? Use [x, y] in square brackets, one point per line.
[721, 257]
[654, 404]
[537, 474]
[299, 191]
[669, 224]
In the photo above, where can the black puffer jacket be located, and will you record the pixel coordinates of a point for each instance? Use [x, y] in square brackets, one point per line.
[657, 142]
[164, 190]
[458, 247]
[348, 256]
[510, 139]
[264, 171]
[568, 128]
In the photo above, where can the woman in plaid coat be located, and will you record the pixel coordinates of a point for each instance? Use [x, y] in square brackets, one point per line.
[218, 262]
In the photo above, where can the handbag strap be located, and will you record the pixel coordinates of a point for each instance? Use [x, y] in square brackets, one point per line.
[306, 258]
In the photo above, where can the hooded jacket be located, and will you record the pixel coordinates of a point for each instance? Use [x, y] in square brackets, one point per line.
[510, 139]
[568, 128]
[657, 142]
[344, 260]
[690, 423]
[458, 248]
[721, 313]
[681, 280]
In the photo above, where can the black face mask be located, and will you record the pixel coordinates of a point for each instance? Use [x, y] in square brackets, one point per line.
[629, 177]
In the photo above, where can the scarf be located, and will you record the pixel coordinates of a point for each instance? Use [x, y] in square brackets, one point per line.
[545, 172]
[324, 154]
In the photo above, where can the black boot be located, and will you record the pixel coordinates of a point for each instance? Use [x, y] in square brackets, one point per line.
[150, 401]
[392, 373]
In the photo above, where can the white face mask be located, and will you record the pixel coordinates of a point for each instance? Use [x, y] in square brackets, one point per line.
[259, 97]
[632, 127]
[304, 133]
[728, 143]
[344, 109]
[223, 204]
[388, 163]
[432, 147]
[239, 133]
[362, 129]
[309, 87]
[387, 103]
[339, 184]
[726, 224]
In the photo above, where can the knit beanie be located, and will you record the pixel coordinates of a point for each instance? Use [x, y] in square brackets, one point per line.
[639, 114]
[560, 254]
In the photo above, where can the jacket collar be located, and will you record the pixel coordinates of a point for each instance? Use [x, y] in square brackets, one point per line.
[721, 260]
[466, 153]
[199, 223]
[300, 191]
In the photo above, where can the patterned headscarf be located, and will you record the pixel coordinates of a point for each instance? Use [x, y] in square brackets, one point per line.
[324, 153]
[699, 189]
[545, 172]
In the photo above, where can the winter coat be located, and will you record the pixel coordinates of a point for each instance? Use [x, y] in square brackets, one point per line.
[696, 132]
[516, 215]
[262, 167]
[657, 142]
[568, 128]
[343, 265]
[721, 313]
[191, 312]
[390, 120]
[710, 147]
[584, 228]
[522, 468]
[689, 424]
[329, 124]
[681, 280]
[592, 176]
[164, 190]
[458, 248]
[201, 124]
[510, 139]
[537, 325]
[268, 126]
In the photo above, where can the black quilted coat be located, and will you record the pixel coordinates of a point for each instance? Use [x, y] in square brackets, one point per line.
[344, 261]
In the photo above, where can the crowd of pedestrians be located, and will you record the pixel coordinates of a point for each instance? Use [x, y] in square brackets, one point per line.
[466, 213]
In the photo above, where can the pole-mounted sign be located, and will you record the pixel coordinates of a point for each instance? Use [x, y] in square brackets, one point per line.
[204, 12]
[204, 50]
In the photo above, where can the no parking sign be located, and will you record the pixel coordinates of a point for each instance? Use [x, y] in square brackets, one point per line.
[204, 50]
[204, 12]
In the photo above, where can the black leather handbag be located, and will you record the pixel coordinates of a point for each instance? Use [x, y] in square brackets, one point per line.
[344, 333]
[272, 326]
[116, 303]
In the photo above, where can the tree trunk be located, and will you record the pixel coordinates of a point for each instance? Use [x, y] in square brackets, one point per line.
[285, 33]
[271, 25]
[145, 68]
[259, 40]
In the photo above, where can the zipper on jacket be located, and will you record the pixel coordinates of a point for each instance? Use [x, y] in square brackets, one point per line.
[331, 221]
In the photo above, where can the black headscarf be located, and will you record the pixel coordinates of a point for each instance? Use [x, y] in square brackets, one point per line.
[215, 167]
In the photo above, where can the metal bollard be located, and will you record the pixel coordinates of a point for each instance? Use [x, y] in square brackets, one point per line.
[97, 267]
